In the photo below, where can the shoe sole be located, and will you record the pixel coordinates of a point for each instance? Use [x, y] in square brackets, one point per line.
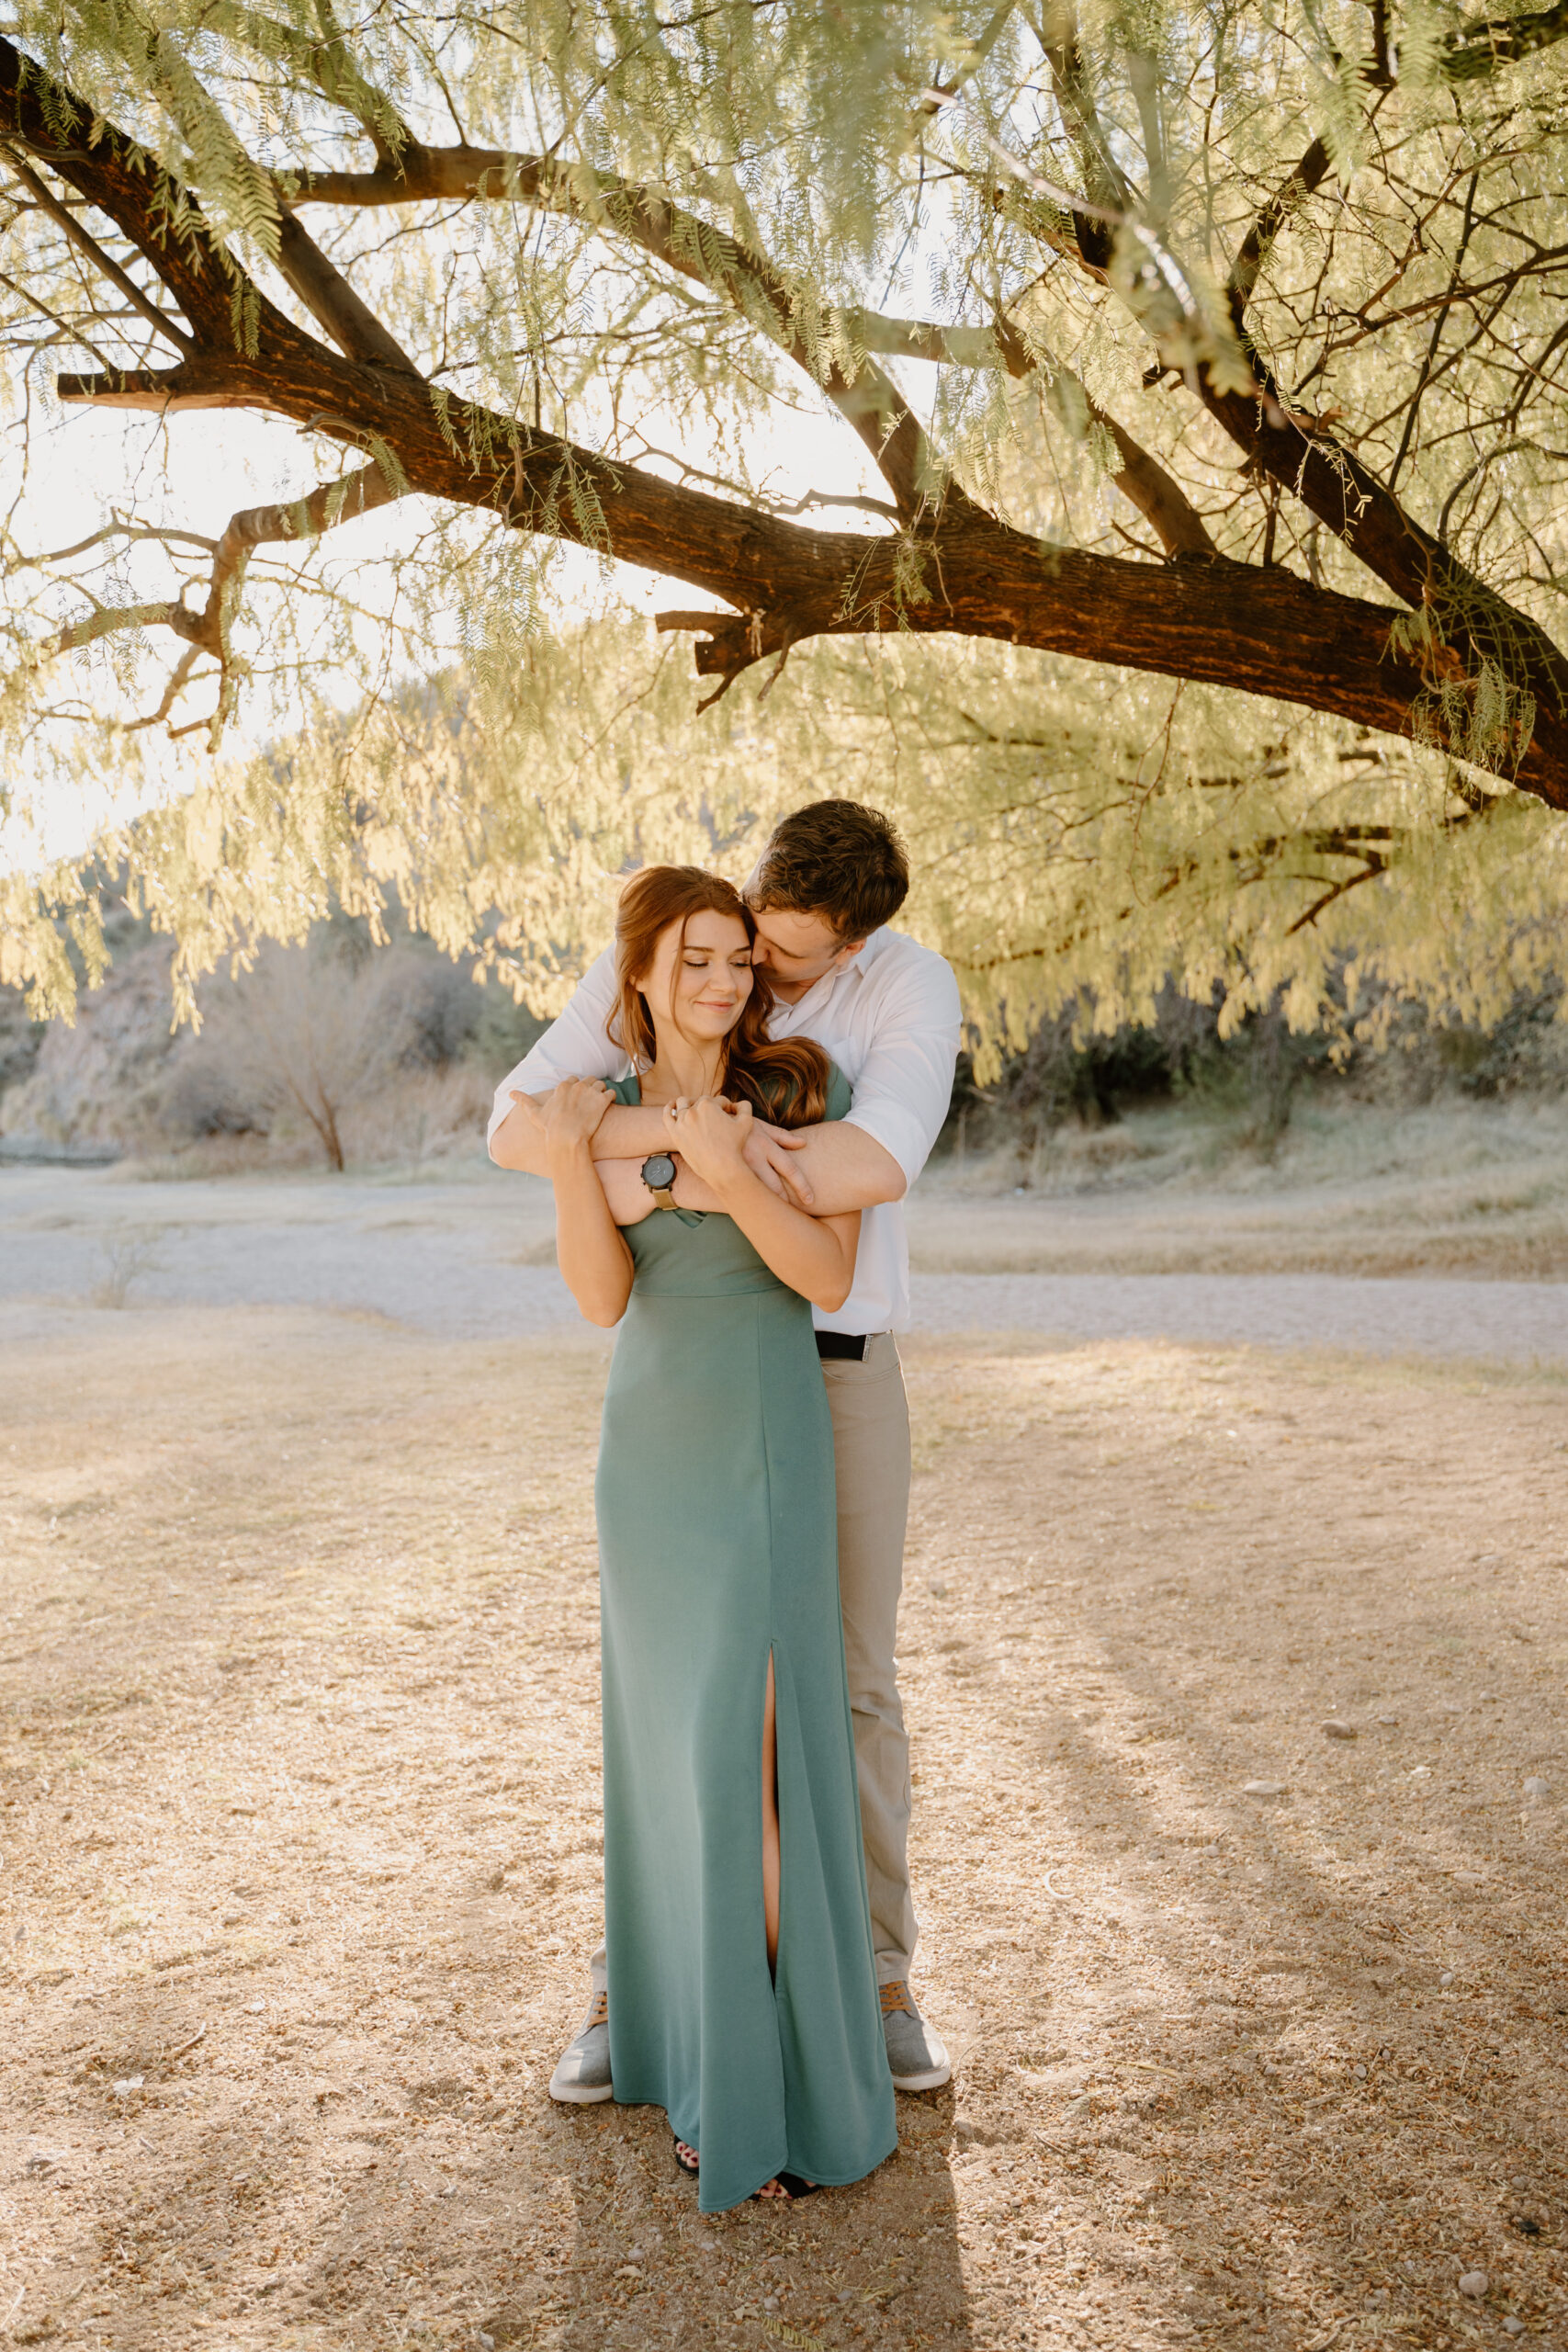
[581, 2094]
[931, 2080]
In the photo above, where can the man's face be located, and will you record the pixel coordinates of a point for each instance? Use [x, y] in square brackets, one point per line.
[795, 950]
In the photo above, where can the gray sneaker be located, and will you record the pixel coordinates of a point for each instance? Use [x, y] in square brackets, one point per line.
[582, 2073]
[916, 2055]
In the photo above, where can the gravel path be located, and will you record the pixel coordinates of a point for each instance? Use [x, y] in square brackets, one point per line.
[1520, 1322]
[453, 1259]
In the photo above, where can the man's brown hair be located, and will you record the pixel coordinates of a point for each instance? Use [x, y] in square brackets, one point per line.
[836, 860]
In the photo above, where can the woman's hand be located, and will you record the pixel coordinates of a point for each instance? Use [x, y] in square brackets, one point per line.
[571, 1116]
[711, 1135]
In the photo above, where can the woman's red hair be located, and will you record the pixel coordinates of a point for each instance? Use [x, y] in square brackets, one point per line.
[785, 1079]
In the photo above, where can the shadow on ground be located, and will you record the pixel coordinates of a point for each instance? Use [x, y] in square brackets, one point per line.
[299, 1783]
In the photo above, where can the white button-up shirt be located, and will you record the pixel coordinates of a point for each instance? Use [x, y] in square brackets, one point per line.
[889, 1018]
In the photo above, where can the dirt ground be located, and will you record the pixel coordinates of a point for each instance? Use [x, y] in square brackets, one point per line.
[299, 1810]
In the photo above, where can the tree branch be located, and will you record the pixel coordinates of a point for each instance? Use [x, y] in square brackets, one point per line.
[455, 173]
[327, 63]
[1481, 48]
[985, 41]
[103, 262]
[1306, 176]
[209, 630]
[1226, 624]
[333, 303]
[867, 398]
[1333, 484]
[1104, 181]
[127, 185]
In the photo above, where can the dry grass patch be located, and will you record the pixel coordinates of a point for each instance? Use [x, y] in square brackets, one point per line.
[300, 1813]
[1454, 1188]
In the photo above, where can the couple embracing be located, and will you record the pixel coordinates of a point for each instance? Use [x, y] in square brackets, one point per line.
[730, 1110]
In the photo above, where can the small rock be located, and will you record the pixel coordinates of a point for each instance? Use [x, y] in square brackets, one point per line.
[1512, 2326]
[1336, 1730]
[1389, 1723]
[487, 2343]
[1475, 2283]
[1536, 1787]
[1447, 1977]
[1263, 1787]
[126, 2084]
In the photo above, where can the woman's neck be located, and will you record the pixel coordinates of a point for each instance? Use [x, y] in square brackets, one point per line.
[681, 1067]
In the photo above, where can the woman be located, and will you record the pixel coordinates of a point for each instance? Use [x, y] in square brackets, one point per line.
[742, 1992]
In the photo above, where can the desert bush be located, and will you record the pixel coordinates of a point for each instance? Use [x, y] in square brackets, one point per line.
[308, 1033]
[1249, 1083]
[423, 1115]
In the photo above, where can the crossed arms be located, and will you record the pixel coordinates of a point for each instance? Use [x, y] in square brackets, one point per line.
[831, 1169]
[815, 1255]
[902, 1076]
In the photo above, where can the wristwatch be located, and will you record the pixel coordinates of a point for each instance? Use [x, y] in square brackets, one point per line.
[659, 1174]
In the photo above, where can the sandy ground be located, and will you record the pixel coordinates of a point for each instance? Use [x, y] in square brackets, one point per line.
[472, 1257]
[298, 1815]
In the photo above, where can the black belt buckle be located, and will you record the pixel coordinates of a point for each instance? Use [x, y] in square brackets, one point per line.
[847, 1346]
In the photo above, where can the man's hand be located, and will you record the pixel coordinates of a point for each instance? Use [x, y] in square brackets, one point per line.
[571, 1113]
[767, 1151]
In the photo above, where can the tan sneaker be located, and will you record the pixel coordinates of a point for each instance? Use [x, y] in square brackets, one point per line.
[582, 2073]
[917, 2057]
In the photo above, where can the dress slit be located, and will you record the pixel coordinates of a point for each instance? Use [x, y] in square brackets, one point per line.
[771, 1828]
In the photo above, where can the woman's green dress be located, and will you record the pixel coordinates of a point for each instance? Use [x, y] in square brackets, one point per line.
[718, 1542]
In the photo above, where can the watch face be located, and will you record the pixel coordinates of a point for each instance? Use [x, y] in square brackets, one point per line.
[658, 1173]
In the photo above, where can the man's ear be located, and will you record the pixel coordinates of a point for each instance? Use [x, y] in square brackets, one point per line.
[850, 947]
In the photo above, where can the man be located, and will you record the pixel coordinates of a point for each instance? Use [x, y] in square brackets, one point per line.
[886, 1011]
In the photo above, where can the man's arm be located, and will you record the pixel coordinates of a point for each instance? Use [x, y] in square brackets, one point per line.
[904, 1086]
[626, 1132]
[831, 1169]
[836, 1168]
[901, 1098]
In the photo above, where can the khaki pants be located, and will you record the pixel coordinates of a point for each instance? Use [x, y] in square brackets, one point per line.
[871, 1445]
[871, 1448]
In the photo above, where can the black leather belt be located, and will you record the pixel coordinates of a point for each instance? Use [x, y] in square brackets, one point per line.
[850, 1346]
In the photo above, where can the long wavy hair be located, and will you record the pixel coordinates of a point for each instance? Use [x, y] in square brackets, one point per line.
[785, 1079]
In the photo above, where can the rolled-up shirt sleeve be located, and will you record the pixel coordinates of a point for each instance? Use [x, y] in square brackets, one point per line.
[577, 1046]
[905, 1087]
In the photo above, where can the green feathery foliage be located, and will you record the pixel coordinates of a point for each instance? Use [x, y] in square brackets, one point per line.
[1188, 379]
